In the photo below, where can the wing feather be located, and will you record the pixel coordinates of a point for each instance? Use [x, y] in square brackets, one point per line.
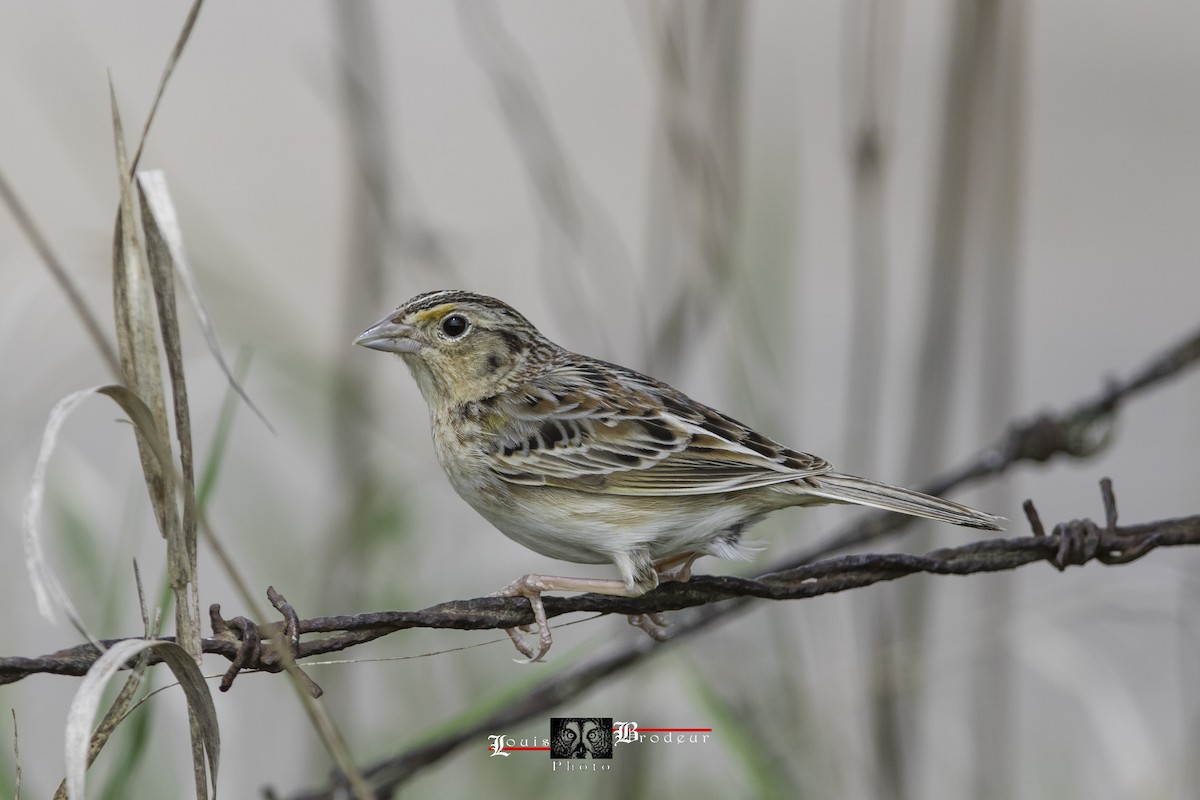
[597, 427]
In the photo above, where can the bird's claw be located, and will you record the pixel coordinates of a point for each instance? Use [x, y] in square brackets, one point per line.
[523, 647]
[653, 623]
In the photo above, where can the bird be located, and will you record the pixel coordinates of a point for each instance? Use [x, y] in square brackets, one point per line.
[589, 462]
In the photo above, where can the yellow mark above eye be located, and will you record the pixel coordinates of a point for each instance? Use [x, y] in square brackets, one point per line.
[435, 313]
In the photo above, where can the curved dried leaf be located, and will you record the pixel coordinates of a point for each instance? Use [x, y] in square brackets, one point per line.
[51, 597]
[87, 701]
[143, 421]
[120, 708]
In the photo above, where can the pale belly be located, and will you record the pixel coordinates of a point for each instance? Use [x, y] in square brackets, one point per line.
[596, 528]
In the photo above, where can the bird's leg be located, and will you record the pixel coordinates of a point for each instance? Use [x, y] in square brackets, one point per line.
[684, 563]
[532, 586]
[653, 622]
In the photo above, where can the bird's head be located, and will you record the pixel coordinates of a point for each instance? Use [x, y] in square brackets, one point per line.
[460, 346]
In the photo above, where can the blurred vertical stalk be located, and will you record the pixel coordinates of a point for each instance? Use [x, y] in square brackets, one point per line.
[869, 45]
[347, 549]
[1188, 664]
[585, 264]
[937, 369]
[869, 34]
[696, 169]
[371, 215]
[1001, 187]
[904, 608]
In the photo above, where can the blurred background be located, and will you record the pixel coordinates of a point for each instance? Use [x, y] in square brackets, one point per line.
[876, 231]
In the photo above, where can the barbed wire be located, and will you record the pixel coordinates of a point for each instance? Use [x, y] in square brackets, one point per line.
[1073, 543]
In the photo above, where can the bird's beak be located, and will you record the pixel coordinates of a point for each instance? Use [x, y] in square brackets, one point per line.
[389, 336]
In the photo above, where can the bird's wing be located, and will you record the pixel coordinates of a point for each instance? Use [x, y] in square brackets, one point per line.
[600, 428]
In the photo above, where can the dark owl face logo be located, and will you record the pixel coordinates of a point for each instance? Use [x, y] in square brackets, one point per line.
[581, 737]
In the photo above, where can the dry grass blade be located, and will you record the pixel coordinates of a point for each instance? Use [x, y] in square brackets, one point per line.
[87, 701]
[137, 343]
[16, 757]
[59, 271]
[161, 230]
[125, 702]
[160, 220]
[177, 51]
[121, 706]
[51, 597]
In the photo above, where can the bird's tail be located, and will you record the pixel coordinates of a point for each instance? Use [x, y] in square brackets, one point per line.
[840, 488]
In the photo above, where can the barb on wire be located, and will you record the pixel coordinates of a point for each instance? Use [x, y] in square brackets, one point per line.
[1080, 431]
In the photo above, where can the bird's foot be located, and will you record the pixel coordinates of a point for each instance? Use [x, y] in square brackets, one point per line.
[531, 588]
[676, 569]
[653, 623]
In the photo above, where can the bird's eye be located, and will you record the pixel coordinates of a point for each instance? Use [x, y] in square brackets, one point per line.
[455, 325]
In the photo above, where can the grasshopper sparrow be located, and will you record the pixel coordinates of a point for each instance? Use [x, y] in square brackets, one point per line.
[593, 463]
